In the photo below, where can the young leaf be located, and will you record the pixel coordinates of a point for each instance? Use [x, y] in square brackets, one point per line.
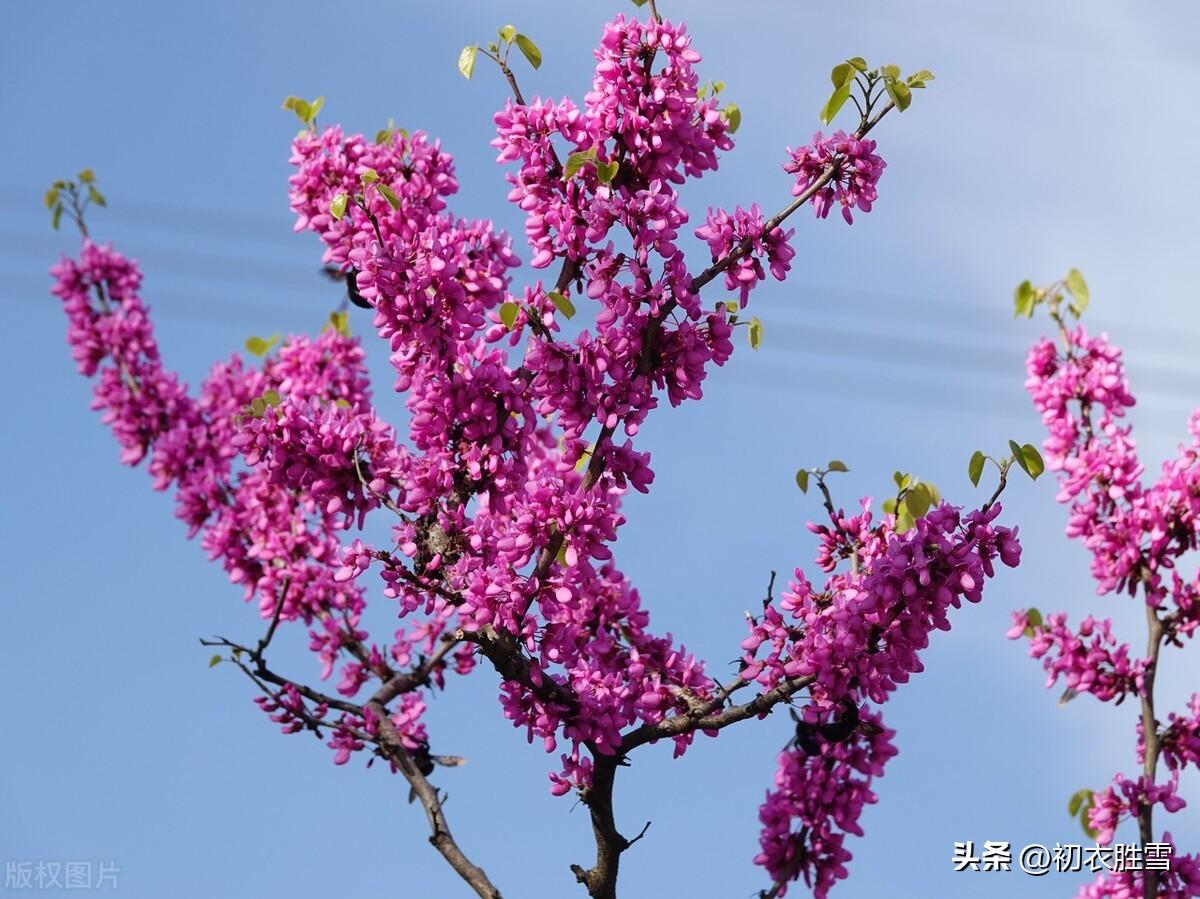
[858, 62]
[389, 195]
[975, 467]
[606, 171]
[1024, 300]
[340, 322]
[1078, 289]
[466, 60]
[531, 51]
[902, 480]
[87, 176]
[899, 93]
[837, 465]
[755, 333]
[562, 304]
[258, 406]
[257, 346]
[733, 117]
[272, 398]
[369, 176]
[917, 501]
[507, 33]
[337, 206]
[508, 314]
[1034, 465]
[214, 661]
[802, 480]
[835, 102]
[639, 2]
[1088, 805]
[1075, 803]
[575, 162]
[1019, 456]
[843, 73]
[1033, 617]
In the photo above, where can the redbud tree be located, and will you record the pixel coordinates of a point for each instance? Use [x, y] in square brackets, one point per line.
[1139, 536]
[526, 399]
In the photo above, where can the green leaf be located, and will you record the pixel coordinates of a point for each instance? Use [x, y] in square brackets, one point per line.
[272, 398]
[1088, 805]
[904, 519]
[51, 198]
[733, 116]
[975, 467]
[369, 176]
[337, 206]
[257, 346]
[900, 94]
[507, 33]
[891, 72]
[918, 79]
[606, 171]
[835, 102]
[340, 321]
[732, 306]
[576, 161]
[1033, 461]
[1078, 289]
[95, 196]
[389, 195]
[837, 465]
[1024, 299]
[639, 2]
[755, 333]
[258, 406]
[802, 480]
[902, 480]
[917, 501]
[87, 176]
[56, 215]
[466, 60]
[562, 304]
[1076, 801]
[508, 314]
[305, 111]
[843, 73]
[214, 661]
[889, 505]
[531, 51]
[1033, 617]
[1019, 456]
[858, 62]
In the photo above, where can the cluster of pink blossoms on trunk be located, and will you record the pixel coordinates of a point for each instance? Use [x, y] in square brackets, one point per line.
[1136, 535]
[506, 489]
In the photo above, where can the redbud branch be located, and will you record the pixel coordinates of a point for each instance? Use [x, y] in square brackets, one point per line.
[1150, 739]
[741, 249]
[677, 725]
[440, 837]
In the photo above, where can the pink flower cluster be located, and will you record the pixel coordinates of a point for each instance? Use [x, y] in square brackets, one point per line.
[723, 232]
[856, 172]
[857, 639]
[1137, 535]
[826, 787]
[1090, 660]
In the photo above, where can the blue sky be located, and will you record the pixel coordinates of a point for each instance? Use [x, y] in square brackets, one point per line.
[1056, 135]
